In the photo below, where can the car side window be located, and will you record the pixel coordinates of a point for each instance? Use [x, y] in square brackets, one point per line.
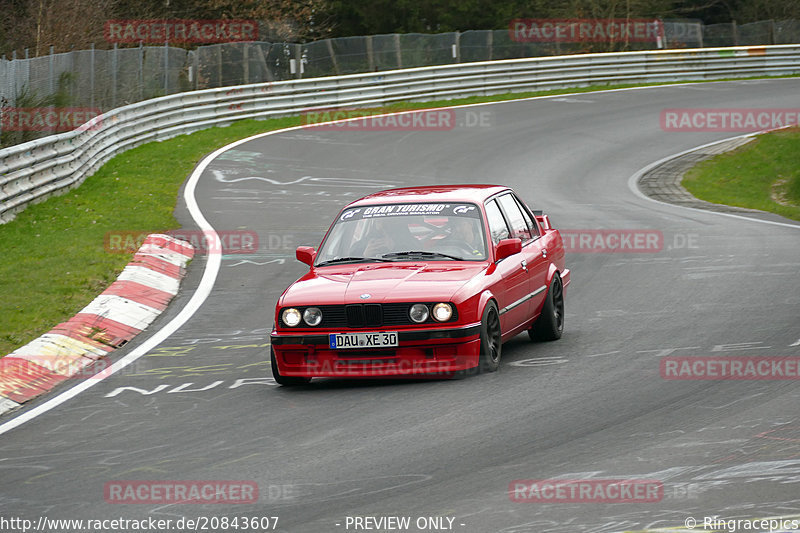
[497, 224]
[528, 220]
[519, 227]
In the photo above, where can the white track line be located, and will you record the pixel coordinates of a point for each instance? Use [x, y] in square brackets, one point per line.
[633, 182]
[633, 185]
[197, 300]
[215, 257]
[203, 290]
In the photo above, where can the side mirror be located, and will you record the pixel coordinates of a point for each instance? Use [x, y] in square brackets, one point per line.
[507, 247]
[306, 254]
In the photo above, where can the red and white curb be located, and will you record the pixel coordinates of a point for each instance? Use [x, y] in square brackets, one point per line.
[141, 293]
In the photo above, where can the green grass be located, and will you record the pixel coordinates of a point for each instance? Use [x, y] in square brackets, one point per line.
[53, 260]
[52, 256]
[746, 177]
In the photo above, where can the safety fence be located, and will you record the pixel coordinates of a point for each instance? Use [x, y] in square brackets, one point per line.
[34, 170]
[108, 78]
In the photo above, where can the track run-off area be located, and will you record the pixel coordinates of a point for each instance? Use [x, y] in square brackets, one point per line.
[192, 398]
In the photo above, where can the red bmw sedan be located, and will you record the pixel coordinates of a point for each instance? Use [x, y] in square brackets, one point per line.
[421, 280]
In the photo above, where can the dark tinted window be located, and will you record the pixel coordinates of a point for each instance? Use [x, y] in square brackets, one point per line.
[497, 224]
[519, 227]
[531, 223]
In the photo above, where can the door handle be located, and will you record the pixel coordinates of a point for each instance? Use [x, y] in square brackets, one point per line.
[524, 265]
[544, 254]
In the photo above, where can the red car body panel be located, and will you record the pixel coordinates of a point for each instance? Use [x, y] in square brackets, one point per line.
[517, 284]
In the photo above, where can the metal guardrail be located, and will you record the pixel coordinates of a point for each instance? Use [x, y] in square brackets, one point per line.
[35, 170]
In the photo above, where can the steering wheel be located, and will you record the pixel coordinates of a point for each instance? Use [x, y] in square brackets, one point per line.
[462, 246]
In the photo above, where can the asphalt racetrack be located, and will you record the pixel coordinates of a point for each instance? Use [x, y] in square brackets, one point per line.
[593, 405]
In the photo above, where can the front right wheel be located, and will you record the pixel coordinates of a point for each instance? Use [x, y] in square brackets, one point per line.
[550, 324]
[491, 341]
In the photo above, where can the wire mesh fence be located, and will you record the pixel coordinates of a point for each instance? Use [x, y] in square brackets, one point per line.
[101, 80]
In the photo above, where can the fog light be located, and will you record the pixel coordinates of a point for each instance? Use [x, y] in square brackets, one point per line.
[418, 313]
[312, 316]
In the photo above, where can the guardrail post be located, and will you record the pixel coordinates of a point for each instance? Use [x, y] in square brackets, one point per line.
[219, 65]
[263, 61]
[370, 54]
[141, 71]
[298, 57]
[3, 91]
[246, 62]
[52, 68]
[197, 69]
[333, 57]
[166, 68]
[91, 77]
[397, 51]
[12, 82]
[114, 66]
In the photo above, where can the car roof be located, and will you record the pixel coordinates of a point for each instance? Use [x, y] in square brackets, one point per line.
[432, 193]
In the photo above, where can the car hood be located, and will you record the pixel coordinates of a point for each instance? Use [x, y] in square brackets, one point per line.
[383, 282]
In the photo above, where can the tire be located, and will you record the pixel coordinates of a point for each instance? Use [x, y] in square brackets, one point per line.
[491, 340]
[286, 381]
[550, 324]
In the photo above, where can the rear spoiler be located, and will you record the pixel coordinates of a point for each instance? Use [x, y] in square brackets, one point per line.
[543, 219]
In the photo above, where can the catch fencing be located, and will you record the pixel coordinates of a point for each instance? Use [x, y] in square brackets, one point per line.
[108, 78]
[34, 170]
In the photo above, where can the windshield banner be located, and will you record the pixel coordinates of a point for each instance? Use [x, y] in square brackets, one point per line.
[378, 211]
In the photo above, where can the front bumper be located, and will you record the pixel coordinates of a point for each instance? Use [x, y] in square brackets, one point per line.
[420, 351]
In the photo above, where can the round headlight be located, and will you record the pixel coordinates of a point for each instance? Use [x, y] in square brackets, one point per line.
[312, 316]
[290, 317]
[418, 313]
[442, 312]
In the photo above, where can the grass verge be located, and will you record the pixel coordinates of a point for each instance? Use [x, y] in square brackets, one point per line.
[763, 174]
[53, 260]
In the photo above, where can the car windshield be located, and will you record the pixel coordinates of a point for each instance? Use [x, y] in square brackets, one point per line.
[405, 232]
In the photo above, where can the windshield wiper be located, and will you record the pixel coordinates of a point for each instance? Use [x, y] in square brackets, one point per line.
[352, 260]
[423, 253]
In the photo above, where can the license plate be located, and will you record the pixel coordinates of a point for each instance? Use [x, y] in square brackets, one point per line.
[381, 339]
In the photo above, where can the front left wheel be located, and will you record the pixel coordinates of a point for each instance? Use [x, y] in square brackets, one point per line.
[287, 381]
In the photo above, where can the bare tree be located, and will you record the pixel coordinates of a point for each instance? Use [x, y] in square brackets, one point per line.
[37, 24]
